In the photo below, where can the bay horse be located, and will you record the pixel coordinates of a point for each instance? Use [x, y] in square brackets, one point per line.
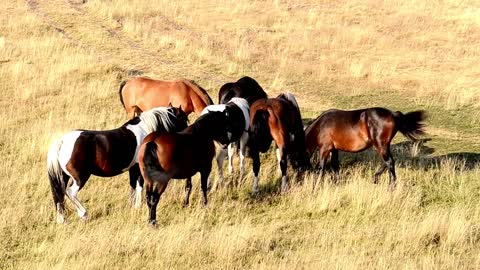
[277, 119]
[249, 89]
[142, 93]
[358, 130]
[239, 115]
[245, 87]
[180, 155]
[81, 153]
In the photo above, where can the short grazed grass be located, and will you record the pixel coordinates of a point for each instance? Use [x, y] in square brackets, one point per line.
[60, 67]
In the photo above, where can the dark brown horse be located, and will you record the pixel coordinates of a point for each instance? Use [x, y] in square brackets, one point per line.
[278, 119]
[164, 156]
[244, 87]
[141, 94]
[81, 153]
[355, 131]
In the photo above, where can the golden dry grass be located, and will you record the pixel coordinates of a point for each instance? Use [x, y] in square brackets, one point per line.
[60, 67]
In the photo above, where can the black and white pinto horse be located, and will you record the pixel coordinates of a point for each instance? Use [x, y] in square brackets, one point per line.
[81, 153]
[238, 112]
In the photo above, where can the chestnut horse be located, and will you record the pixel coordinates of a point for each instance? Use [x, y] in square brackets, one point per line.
[358, 130]
[81, 153]
[141, 94]
[164, 156]
[278, 119]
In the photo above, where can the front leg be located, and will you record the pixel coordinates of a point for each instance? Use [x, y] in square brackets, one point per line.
[256, 169]
[243, 149]
[222, 153]
[204, 181]
[230, 158]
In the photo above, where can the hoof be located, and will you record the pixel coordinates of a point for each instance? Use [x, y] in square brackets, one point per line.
[61, 220]
[152, 224]
[85, 217]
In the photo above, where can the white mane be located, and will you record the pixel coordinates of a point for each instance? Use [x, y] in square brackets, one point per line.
[150, 120]
[213, 108]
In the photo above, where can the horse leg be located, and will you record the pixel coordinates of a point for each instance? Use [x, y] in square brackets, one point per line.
[220, 159]
[204, 181]
[283, 168]
[388, 162]
[60, 204]
[322, 155]
[279, 159]
[153, 192]
[256, 169]
[335, 165]
[243, 148]
[136, 186]
[188, 190]
[72, 192]
[230, 158]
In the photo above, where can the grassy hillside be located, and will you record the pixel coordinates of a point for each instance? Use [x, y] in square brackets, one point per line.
[61, 62]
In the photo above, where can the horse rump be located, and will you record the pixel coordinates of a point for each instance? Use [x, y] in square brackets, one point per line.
[260, 137]
[411, 124]
[150, 160]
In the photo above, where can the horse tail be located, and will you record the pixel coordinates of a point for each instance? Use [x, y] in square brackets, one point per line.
[411, 124]
[122, 84]
[55, 173]
[260, 135]
[150, 158]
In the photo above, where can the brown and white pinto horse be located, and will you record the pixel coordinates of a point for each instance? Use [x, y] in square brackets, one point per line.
[81, 153]
[141, 94]
[358, 130]
[168, 155]
[278, 119]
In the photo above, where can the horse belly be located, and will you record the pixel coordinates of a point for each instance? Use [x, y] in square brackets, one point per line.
[351, 142]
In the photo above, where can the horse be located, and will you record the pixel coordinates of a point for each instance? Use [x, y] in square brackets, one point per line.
[247, 88]
[141, 94]
[239, 115]
[163, 156]
[81, 153]
[357, 130]
[277, 119]
[244, 87]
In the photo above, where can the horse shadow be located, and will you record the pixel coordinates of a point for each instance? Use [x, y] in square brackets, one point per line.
[407, 154]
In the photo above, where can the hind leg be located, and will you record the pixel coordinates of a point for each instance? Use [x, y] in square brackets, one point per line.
[230, 158]
[153, 192]
[188, 190]
[60, 203]
[136, 185]
[283, 168]
[323, 153]
[256, 169]
[388, 162]
[72, 192]
[204, 173]
[220, 159]
[243, 149]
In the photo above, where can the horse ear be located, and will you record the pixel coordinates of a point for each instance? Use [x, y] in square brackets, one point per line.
[180, 108]
[170, 104]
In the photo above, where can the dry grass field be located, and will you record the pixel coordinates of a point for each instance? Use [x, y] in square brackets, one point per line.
[61, 62]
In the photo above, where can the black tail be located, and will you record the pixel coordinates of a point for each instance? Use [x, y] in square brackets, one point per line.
[55, 174]
[260, 137]
[150, 159]
[411, 124]
[122, 84]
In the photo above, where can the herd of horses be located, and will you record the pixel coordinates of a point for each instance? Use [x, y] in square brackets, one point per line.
[156, 144]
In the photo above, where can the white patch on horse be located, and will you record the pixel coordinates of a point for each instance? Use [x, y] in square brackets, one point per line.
[72, 194]
[214, 108]
[65, 152]
[243, 105]
[140, 134]
[138, 195]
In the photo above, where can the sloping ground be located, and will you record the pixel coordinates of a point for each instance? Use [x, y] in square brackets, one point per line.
[60, 65]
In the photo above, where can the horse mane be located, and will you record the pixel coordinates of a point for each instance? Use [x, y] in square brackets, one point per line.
[200, 91]
[155, 117]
